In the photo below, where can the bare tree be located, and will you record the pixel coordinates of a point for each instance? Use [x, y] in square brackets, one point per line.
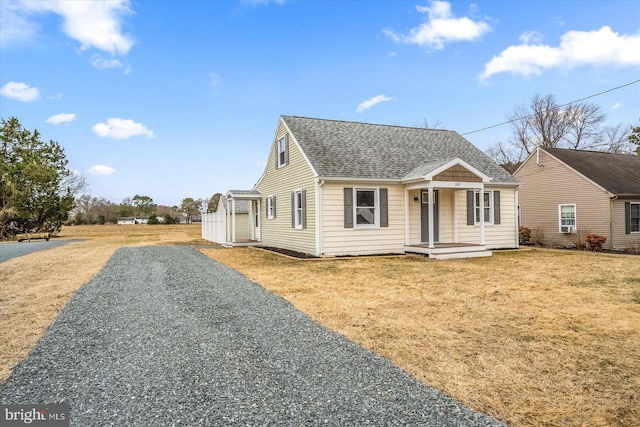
[544, 123]
[616, 139]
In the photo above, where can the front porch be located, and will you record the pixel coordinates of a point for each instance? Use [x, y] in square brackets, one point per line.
[446, 211]
[449, 250]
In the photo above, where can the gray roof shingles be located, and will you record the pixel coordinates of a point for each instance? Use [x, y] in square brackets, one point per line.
[617, 173]
[341, 149]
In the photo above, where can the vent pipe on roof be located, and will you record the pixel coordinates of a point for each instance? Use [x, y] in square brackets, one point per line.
[538, 156]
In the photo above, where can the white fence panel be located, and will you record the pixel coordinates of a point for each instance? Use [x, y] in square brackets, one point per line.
[214, 227]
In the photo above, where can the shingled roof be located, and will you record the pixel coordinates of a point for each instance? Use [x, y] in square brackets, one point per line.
[617, 173]
[341, 149]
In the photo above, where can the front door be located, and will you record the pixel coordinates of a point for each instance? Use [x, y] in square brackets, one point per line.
[424, 217]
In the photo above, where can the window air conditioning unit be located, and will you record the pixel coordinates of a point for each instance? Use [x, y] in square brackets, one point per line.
[566, 229]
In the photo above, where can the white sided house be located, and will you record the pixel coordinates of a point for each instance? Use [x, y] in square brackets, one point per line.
[333, 188]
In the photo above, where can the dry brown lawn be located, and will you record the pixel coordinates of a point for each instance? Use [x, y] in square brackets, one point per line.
[533, 338]
[35, 287]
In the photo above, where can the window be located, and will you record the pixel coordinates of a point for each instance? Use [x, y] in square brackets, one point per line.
[369, 207]
[567, 221]
[283, 152]
[271, 207]
[298, 209]
[366, 207]
[483, 207]
[634, 217]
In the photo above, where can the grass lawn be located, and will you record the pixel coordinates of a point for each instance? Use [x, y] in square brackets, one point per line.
[533, 338]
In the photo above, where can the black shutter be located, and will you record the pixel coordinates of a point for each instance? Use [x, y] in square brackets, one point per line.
[277, 153]
[627, 217]
[293, 210]
[470, 207]
[496, 207]
[273, 204]
[384, 208]
[286, 150]
[304, 208]
[348, 208]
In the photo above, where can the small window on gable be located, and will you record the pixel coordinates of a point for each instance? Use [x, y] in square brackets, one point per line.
[567, 218]
[283, 152]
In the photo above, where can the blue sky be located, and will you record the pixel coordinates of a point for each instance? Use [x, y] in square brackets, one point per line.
[175, 99]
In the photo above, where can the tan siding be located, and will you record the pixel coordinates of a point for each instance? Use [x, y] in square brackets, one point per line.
[338, 240]
[619, 239]
[547, 186]
[281, 183]
[414, 217]
[457, 173]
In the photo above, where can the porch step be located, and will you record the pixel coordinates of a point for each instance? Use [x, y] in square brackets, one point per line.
[456, 255]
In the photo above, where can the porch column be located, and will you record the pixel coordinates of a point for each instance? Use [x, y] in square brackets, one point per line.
[455, 216]
[406, 217]
[233, 220]
[431, 245]
[481, 215]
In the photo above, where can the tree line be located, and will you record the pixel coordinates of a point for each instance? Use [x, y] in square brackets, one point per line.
[577, 126]
[98, 210]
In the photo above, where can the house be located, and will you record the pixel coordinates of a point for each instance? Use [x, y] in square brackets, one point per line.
[567, 194]
[333, 188]
[129, 220]
[230, 221]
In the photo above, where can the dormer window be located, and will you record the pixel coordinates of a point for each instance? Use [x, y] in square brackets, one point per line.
[283, 152]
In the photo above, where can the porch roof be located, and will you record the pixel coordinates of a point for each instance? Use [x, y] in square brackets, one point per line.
[243, 194]
[429, 171]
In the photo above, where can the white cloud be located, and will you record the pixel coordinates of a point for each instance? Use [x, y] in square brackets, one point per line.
[531, 37]
[441, 27]
[102, 170]
[14, 26]
[94, 24]
[365, 105]
[577, 48]
[616, 106]
[102, 63]
[20, 91]
[56, 119]
[117, 128]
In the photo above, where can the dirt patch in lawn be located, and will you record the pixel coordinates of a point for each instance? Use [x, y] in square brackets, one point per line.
[35, 287]
[533, 338]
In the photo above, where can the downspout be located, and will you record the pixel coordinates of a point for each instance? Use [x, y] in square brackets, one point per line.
[318, 187]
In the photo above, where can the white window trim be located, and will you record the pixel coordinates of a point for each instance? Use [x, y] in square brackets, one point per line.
[286, 154]
[270, 207]
[631, 204]
[482, 208]
[376, 207]
[298, 220]
[575, 218]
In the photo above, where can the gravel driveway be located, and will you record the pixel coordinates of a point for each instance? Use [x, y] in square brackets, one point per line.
[12, 250]
[167, 336]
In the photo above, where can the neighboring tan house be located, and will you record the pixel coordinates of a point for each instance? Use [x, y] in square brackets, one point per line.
[130, 220]
[570, 193]
[333, 188]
